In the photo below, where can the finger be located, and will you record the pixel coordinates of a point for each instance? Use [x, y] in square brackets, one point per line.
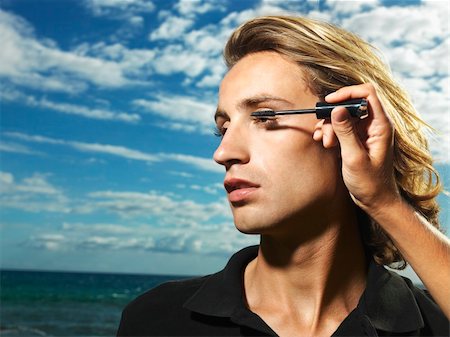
[351, 147]
[318, 134]
[367, 91]
[329, 137]
[351, 91]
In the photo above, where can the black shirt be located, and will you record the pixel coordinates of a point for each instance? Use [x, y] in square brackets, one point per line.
[214, 306]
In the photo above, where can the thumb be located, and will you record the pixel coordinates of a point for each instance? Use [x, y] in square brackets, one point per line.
[345, 132]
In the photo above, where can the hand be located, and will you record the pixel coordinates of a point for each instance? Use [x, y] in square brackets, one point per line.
[366, 148]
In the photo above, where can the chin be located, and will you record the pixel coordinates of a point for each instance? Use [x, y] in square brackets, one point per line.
[253, 226]
[249, 230]
[247, 227]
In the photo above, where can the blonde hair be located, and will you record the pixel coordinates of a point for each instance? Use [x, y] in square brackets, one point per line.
[333, 58]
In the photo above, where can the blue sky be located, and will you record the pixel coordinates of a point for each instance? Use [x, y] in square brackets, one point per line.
[107, 128]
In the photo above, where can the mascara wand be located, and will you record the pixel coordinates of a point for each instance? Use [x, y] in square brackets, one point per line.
[356, 108]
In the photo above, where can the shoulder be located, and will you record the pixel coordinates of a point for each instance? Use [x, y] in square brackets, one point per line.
[154, 310]
[170, 295]
[395, 305]
[196, 307]
[422, 296]
[167, 294]
[435, 321]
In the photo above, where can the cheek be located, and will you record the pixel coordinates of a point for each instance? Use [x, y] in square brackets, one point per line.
[289, 147]
[297, 163]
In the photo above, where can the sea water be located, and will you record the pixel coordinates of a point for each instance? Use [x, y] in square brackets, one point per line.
[36, 303]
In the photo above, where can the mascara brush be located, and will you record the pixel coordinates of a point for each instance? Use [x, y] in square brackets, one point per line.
[356, 108]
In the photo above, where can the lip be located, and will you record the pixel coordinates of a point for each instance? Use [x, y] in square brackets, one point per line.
[239, 190]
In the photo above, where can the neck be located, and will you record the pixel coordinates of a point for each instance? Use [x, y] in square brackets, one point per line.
[315, 280]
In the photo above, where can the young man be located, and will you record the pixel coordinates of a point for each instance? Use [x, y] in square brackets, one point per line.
[333, 200]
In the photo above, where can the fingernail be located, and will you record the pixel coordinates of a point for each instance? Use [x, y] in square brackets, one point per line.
[341, 116]
[315, 134]
[330, 95]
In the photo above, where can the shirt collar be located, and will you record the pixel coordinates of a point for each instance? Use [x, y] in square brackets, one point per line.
[222, 293]
[388, 302]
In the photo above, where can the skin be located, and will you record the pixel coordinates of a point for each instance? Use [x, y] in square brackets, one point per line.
[303, 206]
[246, 150]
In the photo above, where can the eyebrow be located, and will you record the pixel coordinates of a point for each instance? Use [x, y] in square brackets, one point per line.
[251, 102]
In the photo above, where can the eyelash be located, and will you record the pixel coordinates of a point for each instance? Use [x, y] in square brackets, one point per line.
[267, 121]
[218, 132]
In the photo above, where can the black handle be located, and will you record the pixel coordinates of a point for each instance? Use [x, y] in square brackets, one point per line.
[356, 108]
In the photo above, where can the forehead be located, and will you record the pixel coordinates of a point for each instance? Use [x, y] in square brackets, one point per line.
[262, 72]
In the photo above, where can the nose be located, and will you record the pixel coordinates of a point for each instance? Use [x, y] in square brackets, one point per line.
[234, 148]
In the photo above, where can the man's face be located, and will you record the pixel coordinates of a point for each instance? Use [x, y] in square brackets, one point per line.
[275, 172]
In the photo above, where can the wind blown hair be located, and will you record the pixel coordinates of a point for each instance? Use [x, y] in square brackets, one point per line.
[332, 58]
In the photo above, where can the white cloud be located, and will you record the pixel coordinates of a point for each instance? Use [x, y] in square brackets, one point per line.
[234, 19]
[192, 53]
[49, 241]
[115, 150]
[209, 189]
[172, 28]
[206, 40]
[36, 194]
[199, 52]
[218, 239]
[119, 7]
[137, 21]
[175, 126]
[195, 7]
[177, 225]
[176, 23]
[32, 194]
[154, 221]
[178, 59]
[98, 228]
[66, 108]
[161, 208]
[36, 184]
[409, 63]
[347, 8]
[16, 148]
[88, 112]
[132, 61]
[130, 13]
[434, 108]
[414, 41]
[416, 46]
[181, 174]
[205, 164]
[214, 78]
[40, 64]
[34, 138]
[6, 178]
[185, 113]
[416, 26]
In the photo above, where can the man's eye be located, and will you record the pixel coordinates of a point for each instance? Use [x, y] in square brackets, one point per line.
[263, 116]
[264, 119]
[219, 131]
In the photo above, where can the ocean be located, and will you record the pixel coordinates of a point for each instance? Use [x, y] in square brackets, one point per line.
[37, 303]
